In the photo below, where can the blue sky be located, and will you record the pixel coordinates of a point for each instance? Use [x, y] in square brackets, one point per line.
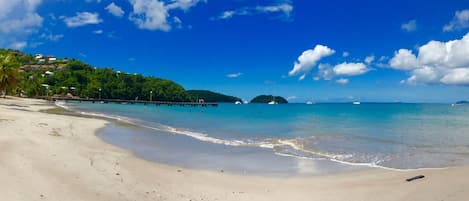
[322, 50]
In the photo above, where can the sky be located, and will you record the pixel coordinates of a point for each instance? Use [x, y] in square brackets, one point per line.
[327, 51]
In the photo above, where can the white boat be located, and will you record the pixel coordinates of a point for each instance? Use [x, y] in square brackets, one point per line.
[356, 102]
[309, 102]
[272, 103]
[246, 102]
[238, 103]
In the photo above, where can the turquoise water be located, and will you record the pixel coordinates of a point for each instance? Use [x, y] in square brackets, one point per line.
[398, 136]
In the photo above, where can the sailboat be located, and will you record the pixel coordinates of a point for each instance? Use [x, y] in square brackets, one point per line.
[273, 102]
[356, 102]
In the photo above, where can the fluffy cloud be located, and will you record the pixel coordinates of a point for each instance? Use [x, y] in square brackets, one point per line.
[342, 81]
[234, 75]
[18, 20]
[115, 10]
[283, 10]
[153, 14]
[404, 60]
[99, 31]
[350, 69]
[183, 4]
[369, 59]
[82, 19]
[437, 62]
[308, 59]
[459, 21]
[409, 26]
[458, 76]
[51, 37]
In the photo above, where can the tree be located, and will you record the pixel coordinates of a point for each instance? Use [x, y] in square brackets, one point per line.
[8, 73]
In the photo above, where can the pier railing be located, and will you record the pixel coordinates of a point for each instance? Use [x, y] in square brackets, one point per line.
[144, 102]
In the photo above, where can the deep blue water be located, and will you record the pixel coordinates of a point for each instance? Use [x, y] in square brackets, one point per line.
[402, 136]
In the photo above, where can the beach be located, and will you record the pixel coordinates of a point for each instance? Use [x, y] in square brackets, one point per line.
[59, 157]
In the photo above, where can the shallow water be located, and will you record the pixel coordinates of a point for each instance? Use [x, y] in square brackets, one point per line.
[398, 136]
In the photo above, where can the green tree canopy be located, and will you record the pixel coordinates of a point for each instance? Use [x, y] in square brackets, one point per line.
[8, 73]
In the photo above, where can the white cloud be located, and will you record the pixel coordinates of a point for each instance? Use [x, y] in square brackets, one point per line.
[99, 31]
[404, 60]
[369, 59]
[18, 45]
[308, 59]
[18, 20]
[183, 4]
[115, 10]
[289, 98]
[437, 62]
[82, 19]
[325, 71]
[283, 10]
[458, 76]
[342, 81]
[302, 77]
[234, 75]
[350, 69]
[153, 14]
[345, 54]
[459, 21]
[51, 37]
[409, 26]
[150, 14]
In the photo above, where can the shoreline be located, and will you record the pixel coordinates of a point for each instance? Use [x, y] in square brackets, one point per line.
[60, 157]
[62, 109]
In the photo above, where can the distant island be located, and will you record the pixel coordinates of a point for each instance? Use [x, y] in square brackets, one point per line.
[210, 96]
[462, 102]
[269, 98]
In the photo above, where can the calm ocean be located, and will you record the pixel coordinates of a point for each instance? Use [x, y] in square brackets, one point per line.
[397, 136]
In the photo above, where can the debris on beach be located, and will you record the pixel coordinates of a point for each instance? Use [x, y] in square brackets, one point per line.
[415, 178]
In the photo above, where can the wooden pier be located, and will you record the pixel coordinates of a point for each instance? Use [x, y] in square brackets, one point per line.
[168, 103]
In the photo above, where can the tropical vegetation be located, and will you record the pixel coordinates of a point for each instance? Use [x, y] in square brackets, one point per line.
[65, 77]
[9, 76]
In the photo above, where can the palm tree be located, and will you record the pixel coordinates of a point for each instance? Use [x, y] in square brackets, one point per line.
[8, 73]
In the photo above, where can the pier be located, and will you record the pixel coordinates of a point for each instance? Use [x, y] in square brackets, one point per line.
[168, 103]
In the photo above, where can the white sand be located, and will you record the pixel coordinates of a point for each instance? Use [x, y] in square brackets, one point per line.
[56, 157]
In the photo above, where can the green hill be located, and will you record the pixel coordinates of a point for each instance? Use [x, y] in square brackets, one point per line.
[210, 96]
[268, 98]
[64, 76]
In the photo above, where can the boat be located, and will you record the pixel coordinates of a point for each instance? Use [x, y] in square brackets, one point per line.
[245, 102]
[238, 103]
[356, 102]
[272, 103]
[309, 102]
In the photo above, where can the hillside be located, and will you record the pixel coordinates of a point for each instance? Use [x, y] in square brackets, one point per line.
[59, 77]
[210, 96]
[268, 98]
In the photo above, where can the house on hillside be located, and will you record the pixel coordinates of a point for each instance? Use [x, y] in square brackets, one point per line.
[51, 59]
[38, 56]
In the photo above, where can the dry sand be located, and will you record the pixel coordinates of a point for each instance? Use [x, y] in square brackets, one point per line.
[56, 157]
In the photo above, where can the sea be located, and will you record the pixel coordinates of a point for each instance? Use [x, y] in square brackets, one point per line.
[290, 138]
